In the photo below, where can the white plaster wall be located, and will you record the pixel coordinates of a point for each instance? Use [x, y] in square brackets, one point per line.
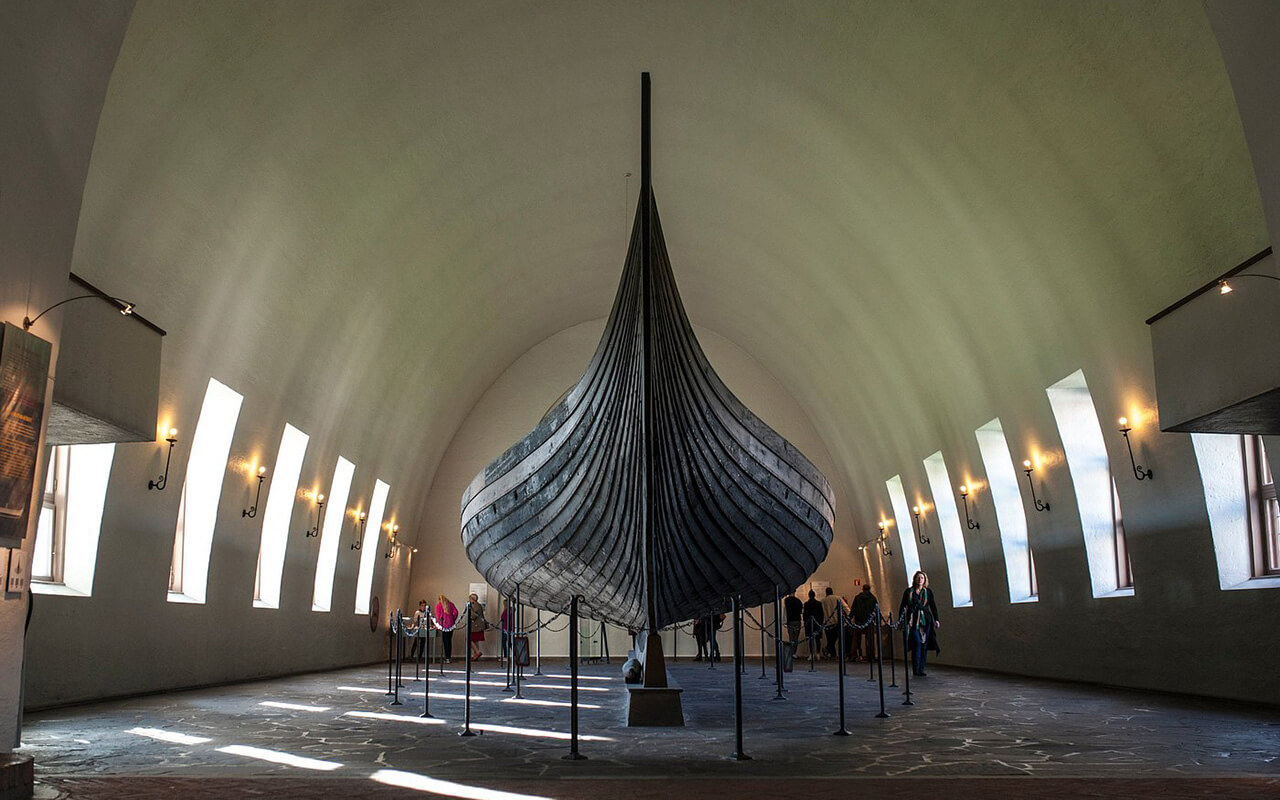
[515, 402]
[55, 63]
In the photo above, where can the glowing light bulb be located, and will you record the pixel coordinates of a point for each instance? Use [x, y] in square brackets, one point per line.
[173, 433]
[1224, 287]
[262, 470]
[964, 489]
[1027, 464]
[915, 509]
[1124, 422]
[319, 498]
[362, 516]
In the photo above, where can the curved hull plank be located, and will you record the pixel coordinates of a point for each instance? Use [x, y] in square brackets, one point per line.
[649, 489]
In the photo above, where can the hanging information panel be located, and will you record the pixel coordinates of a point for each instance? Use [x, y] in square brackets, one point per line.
[24, 376]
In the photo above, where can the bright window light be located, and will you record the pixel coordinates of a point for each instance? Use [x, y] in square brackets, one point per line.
[536, 733]
[369, 546]
[1091, 473]
[421, 783]
[71, 519]
[906, 533]
[335, 514]
[1226, 496]
[292, 706]
[944, 508]
[553, 703]
[383, 715]
[201, 490]
[281, 499]
[1011, 515]
[168, 736]
[277, 757]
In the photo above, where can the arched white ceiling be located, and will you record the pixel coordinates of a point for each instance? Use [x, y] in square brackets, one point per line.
[916, 216]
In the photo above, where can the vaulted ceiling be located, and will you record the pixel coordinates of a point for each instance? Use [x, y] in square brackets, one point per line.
[915, 215]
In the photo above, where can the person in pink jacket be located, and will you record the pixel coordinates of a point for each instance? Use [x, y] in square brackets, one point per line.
[446, 615]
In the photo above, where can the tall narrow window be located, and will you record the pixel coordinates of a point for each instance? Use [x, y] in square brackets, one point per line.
[1224, 474]
[944, 504]
[906, 533]
[1090, 469]
[281, 499]
[330, 534]
[201, 491]
[1264, 528]
[1011, 515]
[1124, 570]
[369, 546]
[66, 547]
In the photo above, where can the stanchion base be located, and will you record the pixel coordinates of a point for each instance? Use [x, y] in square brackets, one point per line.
[883, 715]
[426, 716]
[893, 686]
[573, 757]
[395, 703]
[466, 733]
[843, 732]
[908, 702]
[740, 757]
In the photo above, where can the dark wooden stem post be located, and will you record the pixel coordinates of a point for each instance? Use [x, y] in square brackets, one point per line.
[738, 661]
[573, 755]
[777, 641]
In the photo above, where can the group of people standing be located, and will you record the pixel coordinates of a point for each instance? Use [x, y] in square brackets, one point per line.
[446, 618]
[820, 622]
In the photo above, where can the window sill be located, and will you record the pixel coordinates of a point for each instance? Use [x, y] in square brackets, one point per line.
[59, 589]
[179, 597]
[1125, 592]
[1269, 582]
[1032, 599]
[263, 604]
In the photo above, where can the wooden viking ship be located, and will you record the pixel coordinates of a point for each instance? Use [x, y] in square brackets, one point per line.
[649, 489]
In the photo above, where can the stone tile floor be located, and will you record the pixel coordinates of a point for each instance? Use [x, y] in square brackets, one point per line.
[969, 735]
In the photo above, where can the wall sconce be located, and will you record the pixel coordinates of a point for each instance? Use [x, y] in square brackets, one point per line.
[394, 543]
[919, 526]
[319, 505]
[163, 480]
[252, 511]
[123, 306]
[883, 539]
[964, 496]
[359, 542]
[1138, 472]
[1026, 467]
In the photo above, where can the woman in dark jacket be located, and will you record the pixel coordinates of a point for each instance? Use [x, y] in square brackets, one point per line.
[920, 614]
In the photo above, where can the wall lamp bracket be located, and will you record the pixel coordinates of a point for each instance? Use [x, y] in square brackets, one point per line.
[964, 497]
[252, 511]
[359, 542]
[882, 541]
[1027, 469]
[1138, 472]
[123, 306]
[319, 506]
[159, 483]
[915, 510]
[394, 543]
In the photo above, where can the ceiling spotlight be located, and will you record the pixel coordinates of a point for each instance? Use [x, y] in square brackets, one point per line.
[1224, 287]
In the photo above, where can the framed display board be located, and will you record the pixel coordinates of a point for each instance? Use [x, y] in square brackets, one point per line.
[24, 380]
[18, 574]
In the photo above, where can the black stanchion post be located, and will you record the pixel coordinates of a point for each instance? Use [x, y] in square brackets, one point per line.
[573, 755]
[712, 644]
[843, 731]
[399, 648]
[426, 679]
[893, 661]
[505, 631]
[906, 661]
[391, 647]
[813, 654]
[880, 663]
[760, 622]
[466, 703]
[538, 668]
[871, 661]
[517, 627]
[777, 640]
[738, 663]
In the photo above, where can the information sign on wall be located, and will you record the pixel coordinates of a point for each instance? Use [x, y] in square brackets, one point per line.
[19, 573]
[24, 375]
